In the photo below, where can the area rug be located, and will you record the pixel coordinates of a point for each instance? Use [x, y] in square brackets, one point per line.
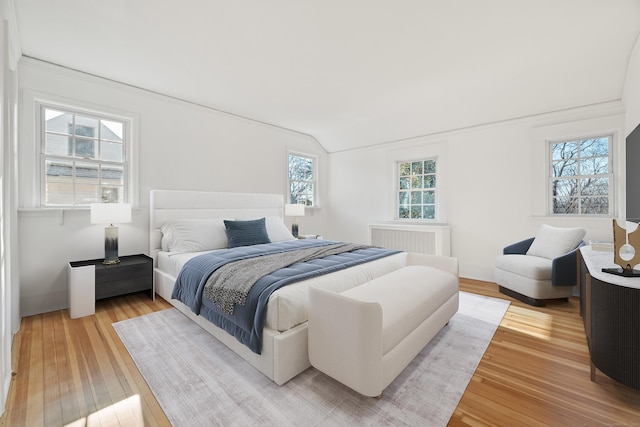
[200, 382]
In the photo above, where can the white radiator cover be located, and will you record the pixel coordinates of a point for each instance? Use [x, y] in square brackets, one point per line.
[425, 239]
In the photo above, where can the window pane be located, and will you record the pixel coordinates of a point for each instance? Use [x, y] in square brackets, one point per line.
[430, 166]
[416, 168]
[595, 205]
[405, 183]
[296, 173]
[87, 193]
[403, 212]
[428, 196]
[565, 205]
[57, 121]
[416, 212]
[430, 181]
[112, 131]
[416, 197]
[429, 212]
[111, 151]
[59, 193]
[403, 198]
[112, 194]
[58, 169]
[57, 145]
[594, 166]
[594, 147]
[565, 187]
[86, 148]
[416, 182]
[564, 150]
[565, 168]
[405, 169]
[594, 186]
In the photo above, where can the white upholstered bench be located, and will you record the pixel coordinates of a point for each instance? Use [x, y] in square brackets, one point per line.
[365, 336]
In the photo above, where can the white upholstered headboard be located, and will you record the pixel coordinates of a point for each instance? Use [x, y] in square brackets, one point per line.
[166, 205]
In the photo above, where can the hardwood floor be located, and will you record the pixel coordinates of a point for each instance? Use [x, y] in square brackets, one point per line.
[535, 372]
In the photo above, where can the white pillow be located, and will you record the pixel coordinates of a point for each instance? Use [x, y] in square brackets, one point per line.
[552, 242]
[277, 230]
[193, 235]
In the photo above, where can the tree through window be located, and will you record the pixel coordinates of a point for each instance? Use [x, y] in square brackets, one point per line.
[581, 178]
[417, 189]
[302, 177]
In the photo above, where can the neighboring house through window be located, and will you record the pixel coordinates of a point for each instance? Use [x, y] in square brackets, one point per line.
[302, 179]
[581, 178]
[84, 158]
[416, 189]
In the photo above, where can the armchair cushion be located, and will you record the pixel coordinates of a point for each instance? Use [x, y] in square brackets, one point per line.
[534, 267]
[552, 242]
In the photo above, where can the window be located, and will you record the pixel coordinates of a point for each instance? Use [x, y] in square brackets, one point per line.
[417, 187]
[302, 180]
[580, 176]
[83, 158]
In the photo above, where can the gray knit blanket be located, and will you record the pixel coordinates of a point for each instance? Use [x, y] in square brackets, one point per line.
[230, 284]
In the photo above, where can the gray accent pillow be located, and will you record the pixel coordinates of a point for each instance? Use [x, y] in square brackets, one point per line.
[246, 233]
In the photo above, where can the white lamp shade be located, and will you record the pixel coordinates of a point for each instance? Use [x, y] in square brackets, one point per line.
[110, 213]
[293, 210]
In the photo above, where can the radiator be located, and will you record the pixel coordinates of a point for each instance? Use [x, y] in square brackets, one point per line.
[425, 239]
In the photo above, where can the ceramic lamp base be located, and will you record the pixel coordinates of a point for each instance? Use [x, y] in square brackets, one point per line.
[111, 245]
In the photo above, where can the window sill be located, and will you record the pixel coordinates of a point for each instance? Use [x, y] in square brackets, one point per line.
[58, 212]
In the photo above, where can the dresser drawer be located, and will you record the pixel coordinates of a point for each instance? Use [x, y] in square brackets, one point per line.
[117, 272]
[123, 286]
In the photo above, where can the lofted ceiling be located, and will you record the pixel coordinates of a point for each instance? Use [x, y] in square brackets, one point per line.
[350, 73]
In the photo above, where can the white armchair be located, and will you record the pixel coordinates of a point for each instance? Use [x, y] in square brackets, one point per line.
[540, 268]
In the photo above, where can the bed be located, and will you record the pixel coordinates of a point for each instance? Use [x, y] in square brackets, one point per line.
[284, 350]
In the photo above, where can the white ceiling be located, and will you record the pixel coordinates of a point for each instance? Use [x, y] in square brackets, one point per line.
[351, 73]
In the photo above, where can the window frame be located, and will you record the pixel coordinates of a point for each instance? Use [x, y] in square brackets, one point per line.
[314, 180]
[436, 189]
[610, 175]
[129, 162]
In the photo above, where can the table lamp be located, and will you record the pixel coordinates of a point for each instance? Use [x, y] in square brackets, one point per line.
[110, 213]
[294, 210]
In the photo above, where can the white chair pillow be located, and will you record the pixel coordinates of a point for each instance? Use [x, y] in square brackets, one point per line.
[552, 242]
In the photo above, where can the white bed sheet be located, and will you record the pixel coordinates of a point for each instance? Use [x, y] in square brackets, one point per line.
[289, 305]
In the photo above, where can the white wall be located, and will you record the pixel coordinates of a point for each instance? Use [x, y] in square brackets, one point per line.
[9, 285]
[631, 94]
[181, 146]
[492, 183]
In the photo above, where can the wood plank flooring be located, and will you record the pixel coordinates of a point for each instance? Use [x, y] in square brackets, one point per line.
[535, 372]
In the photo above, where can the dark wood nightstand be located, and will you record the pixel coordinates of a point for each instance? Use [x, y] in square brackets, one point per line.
[134, 273]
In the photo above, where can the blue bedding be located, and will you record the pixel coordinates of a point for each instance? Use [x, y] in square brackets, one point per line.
[247, 321]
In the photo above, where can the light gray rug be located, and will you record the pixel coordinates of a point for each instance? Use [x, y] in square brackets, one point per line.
[199, 382]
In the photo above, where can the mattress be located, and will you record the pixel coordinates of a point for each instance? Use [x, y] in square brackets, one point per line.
[289, 306]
